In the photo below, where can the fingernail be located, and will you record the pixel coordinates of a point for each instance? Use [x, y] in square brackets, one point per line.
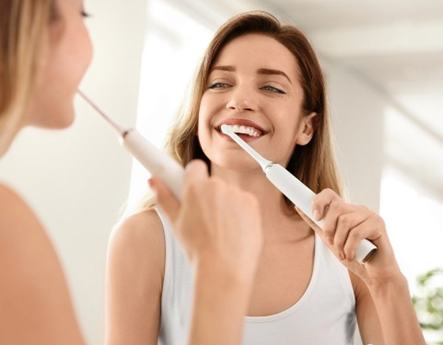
[151, 183]
[316, 214]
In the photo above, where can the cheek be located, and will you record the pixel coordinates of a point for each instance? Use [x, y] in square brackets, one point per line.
[285, 134]
[53, 101]
[71, 59]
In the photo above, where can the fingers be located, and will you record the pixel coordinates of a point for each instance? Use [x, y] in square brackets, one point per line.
[328, 205]
[345, 225]
[308, 221]
[340, 221]
[322, 201]
[368, 229]
[165, 198]
[196, 172]
[195, 180]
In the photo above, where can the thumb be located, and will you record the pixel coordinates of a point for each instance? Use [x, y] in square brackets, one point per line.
[196, 172]
[165, 198]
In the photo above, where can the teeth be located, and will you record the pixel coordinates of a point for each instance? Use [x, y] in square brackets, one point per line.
[251, 131]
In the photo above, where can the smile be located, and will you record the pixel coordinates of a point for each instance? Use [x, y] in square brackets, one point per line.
[246, 129]
[247, 133]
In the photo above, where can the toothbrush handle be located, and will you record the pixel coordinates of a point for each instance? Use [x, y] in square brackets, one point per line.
[157, 162]
[302, 197]
[160, 164]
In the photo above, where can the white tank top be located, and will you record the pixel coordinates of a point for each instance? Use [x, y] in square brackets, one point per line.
[325, 314]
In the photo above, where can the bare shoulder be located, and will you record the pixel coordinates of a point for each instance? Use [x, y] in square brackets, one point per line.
[19, 225]
[14, 210]
[20, 230]
[37, 307]
[139, 239]
[134, 280]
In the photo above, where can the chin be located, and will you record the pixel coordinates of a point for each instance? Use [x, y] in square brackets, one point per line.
[65, 120]
[235, 161]
[52, 115]
[59, 120]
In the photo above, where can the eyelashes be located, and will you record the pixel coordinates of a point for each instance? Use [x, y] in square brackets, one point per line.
[268, 88]
[273, 89]
[85, 14]
[218, 85]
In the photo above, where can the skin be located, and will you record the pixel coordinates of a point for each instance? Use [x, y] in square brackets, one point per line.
[273, 101]
[35, 304]
[224, 251]
[240, 91]
[64, 62]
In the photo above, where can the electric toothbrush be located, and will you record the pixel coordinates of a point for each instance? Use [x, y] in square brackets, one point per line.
[157, 162]
[299, 194]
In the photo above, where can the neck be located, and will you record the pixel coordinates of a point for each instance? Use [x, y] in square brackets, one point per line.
[278, 218]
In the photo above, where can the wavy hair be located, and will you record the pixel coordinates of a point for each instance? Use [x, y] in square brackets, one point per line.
[314, 164]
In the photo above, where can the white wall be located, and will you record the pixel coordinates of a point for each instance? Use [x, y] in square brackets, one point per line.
[357, 120]
[78, 179]
[357, 114]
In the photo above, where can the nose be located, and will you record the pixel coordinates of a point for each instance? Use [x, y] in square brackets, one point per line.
[241, 100]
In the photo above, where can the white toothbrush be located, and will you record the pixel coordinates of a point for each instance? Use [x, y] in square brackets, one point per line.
[300, 195]
[159, 163]
[156, 161]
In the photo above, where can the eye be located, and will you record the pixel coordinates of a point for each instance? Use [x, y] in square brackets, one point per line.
[218, 85]
[85, 14]
[274, 89]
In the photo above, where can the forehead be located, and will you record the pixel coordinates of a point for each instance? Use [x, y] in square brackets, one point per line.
[254, 51]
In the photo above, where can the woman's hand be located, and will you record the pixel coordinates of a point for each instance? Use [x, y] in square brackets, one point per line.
[345, 225]
[215, 222]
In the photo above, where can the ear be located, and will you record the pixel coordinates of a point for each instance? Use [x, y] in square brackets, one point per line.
[306, 129]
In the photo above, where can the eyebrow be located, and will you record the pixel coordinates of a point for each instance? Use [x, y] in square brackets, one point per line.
[262, 71]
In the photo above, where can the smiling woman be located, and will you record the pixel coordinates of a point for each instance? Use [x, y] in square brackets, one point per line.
[263, 77]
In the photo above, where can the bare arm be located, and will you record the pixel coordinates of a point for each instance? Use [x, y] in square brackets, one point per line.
[368, 322]
[134, 278]
[384, 307]
[35, 306]
[386, 315]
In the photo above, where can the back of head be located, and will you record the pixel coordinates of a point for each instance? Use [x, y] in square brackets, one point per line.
[23, 28]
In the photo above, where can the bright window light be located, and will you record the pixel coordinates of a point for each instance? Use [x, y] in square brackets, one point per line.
[174, 46]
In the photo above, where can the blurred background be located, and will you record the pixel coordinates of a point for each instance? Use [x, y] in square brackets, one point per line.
[383, 62]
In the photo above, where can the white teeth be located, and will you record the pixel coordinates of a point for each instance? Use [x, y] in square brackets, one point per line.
[251, 131]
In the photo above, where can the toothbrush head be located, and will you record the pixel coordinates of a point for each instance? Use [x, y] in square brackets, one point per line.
[226, 129]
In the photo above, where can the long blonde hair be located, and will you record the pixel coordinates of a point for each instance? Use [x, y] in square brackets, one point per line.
[23, 29]
[314, 164]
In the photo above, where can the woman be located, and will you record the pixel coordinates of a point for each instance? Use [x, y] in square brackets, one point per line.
[308, 289]
[44, 52]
